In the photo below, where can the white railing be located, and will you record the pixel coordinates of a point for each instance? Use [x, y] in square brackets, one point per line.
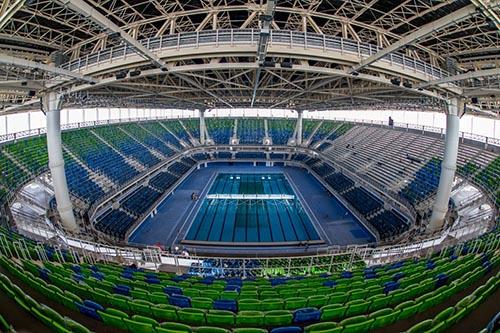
[335, 259]
[424, 129]
[216, 38]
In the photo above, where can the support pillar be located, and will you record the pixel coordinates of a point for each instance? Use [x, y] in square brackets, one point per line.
[448, 166]
[299, 128]
[202, 126]
[52, 106]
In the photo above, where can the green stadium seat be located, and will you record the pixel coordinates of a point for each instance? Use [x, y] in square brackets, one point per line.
[202, 303]
[384, 320]
[220, 317]
[249, 330]
[138, 327]
[192, 316]
[332, 312]
[272, 304]
[164, 312]
[295, 303]
[249, 304]
[175, 327]
[317, 301]
[421, 327]
[278, 318]
[323, 327]
[250, 318]
[208, 329]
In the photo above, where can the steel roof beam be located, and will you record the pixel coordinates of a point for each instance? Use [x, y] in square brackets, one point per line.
[8, 10]
[17, 62]
[418, 34]
[93, 14]
[462, 77]
[488, 11]
[262, 45]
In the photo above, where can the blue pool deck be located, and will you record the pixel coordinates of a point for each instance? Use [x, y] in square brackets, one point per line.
[333, 222]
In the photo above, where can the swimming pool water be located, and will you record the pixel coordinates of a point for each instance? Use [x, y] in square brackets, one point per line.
[255, 220]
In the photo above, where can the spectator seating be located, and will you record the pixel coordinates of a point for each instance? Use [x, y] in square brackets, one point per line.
[176, 128]
[148, 139]
[389, 223]
[425, 182]
[98, 156]
[490, 176]
[115, 223]
[163, 180]
[200, 156]
[308, 126]
[139, 202]
[341, 130]
[31, 153]
[162, 133]
[280, 130]
[360, 300]
[178, 168]
[250, 130]
[79, 181]
[322, 131]
[11, 176]
[220, 130]
[250, 155]
[323, 169]
[193, 126]
[363, 201]
[114, 136]
[339, 182]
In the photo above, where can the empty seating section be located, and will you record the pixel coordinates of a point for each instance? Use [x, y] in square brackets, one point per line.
[220, 130]
[425, 182]
[163, 180]
[31, 153]
[322, 131]
[467, 169]
[250, 130]
[148, 139]
[389, 223]
[490, 176]
[178, 168]
[162, 133]
[280, 130]
[308, 127]
[114, 136]
[115, 223]
[250, 155]
[176, 128]
[79, 181]
[98, 156]
[193, 126]
[189, 161]
[339, 182]
[362, 201]
[361, 300]
[341, 130]
[11, 175]
[139, 202]
[200, 156]
[323, 169]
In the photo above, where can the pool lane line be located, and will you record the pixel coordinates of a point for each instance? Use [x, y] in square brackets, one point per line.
[308, 209]
[197, 205]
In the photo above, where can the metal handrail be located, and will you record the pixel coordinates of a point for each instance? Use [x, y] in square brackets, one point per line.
[231, 37]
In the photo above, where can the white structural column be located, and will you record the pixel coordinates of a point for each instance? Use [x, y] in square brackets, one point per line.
[448, 166]
[202, 126]
[299, 128]
[52, 106]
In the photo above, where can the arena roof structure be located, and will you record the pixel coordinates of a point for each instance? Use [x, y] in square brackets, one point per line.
[302, 55]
